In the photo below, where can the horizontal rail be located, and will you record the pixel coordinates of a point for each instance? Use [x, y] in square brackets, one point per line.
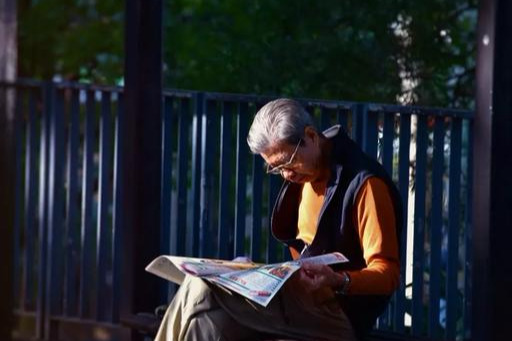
[233, 97]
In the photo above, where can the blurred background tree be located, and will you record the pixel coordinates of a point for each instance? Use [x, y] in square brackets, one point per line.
[391, 51]
[79, 40]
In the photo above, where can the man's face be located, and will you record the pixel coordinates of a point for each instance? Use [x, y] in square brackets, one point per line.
[297, 163]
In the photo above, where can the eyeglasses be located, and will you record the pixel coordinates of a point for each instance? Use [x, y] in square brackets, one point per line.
[278, 169]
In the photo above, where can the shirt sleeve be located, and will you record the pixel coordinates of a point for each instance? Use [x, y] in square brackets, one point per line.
[375, 218]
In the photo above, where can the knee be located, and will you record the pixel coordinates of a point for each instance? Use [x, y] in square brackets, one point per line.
[193, 281]
[194, 291]
[195, 285]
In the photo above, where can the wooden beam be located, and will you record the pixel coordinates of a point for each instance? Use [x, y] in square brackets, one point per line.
[140, 145]
[8, 52]
[8, 56]
[7, 173]
[492, 181]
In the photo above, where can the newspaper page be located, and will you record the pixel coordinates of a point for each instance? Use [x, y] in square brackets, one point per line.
[174, 268]
[257, 282]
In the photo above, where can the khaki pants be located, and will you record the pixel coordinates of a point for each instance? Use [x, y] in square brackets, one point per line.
[204, 312]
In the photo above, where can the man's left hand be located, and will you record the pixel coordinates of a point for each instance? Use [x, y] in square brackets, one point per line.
[313, 277]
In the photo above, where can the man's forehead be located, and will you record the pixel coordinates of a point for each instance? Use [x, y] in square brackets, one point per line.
[278, 157]
[280, 147]
[278, 153]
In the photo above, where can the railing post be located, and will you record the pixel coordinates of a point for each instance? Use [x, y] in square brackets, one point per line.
[141, 155]
[196, 170]
[54, 225]
[492, 183]
[7, 165]
[44, 161]
[359, 112]
[370, 130]
[208, 129]
[7, 190]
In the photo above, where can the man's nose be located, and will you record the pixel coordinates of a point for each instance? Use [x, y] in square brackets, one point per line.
[287, 174]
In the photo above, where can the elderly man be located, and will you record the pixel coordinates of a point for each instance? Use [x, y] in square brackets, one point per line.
[334, 198]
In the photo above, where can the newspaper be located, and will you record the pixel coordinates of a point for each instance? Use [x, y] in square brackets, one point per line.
[257, 282]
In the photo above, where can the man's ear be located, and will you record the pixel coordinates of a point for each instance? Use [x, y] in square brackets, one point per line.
[312, 134]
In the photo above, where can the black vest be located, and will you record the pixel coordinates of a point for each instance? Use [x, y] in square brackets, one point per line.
[350, 167]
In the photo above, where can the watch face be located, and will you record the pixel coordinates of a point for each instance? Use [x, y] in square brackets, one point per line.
[346, 283]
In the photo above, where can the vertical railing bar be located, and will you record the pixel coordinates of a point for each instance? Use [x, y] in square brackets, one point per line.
[117, 215]
[257, 184]
[18, 193]
[31, 183]
[468, 223]
[208, 126]
[43, 205]
[403, 177]
[196, 171]
[104, 200]
[452, 301]
[311, 110]
[419, 226]
[324, 119]
[72, 260]
[59, 202]
[436, 228]
[166, 191]
[370, 131]
[166, 194]
[87, 232]
[241, 173]
[181, 210]
[358, 117]
[273, 184]
[342, 119]
[55, 218]
[224, 226]
[387, 144]
[214, 194]
[387, 162]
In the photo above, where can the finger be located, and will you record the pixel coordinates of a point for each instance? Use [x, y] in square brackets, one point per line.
[242, 259]
[317, 269]
[311, 268]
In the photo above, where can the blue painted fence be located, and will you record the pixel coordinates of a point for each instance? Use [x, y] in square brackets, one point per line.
[216, 199]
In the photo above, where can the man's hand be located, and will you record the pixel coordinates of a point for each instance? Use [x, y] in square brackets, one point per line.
[242, 259]
[314, 283]
[313, 277]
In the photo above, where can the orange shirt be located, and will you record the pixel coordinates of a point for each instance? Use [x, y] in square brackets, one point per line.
[309, 210]
[374, 216]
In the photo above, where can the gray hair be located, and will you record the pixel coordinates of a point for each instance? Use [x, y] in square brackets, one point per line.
[282, 120]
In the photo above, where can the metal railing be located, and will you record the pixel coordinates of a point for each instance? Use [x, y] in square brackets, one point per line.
[216, 199]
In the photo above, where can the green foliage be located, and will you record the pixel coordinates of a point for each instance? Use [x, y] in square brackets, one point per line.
[442, 50]
[78, 40]
[324, 49]
[419, 51]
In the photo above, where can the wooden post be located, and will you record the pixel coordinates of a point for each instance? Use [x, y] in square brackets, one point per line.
[141, 154]
[492, 181]
[8, 52]
[6, 219]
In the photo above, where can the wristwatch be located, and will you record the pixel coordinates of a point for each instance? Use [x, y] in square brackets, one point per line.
[343, 288]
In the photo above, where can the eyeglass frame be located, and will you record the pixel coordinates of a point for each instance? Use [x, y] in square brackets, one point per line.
[277, 170]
